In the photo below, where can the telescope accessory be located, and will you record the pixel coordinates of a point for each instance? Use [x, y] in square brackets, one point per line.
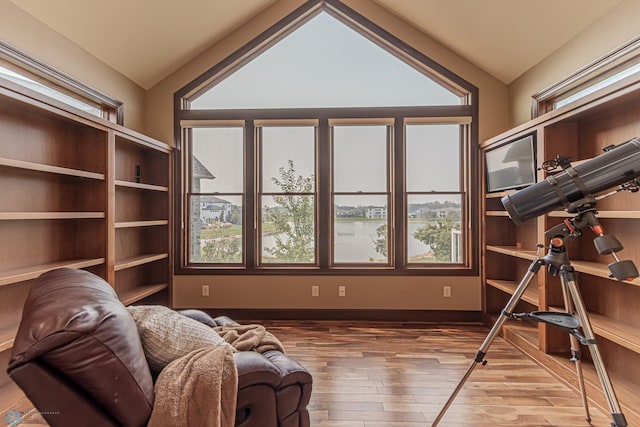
[571, 228]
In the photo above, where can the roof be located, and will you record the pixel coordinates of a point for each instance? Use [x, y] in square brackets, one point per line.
[200, 171]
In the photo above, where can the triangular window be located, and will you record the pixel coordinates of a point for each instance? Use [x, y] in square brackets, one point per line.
[325, 63]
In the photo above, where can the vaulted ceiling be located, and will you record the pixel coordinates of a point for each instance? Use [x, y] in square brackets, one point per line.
[146, 40]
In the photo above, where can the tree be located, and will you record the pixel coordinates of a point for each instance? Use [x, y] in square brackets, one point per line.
[381, 241]
[437, 235]
[223, 249]
[293, 217]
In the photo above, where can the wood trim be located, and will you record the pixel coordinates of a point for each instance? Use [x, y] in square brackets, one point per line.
[438, 316]
[110, 203]
[576, 79]
[447, 112]
[58, 77]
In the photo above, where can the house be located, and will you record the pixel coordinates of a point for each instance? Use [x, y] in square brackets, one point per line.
[490, 61]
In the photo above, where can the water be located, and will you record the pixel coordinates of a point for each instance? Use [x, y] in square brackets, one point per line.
[355, 241]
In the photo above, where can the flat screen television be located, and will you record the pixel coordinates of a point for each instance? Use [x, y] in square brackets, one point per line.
[511, 165]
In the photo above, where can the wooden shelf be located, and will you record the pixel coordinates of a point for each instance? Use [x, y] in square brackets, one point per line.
[141, 186]
[50, 169]
[50, 215]
[138, 139]
[509, 287]
[498, 195]
[600, 270]
[601, 214]
[32, 272]
[497, 213]
[619, 333]
[513, 251]
[133, 224]
[7, 335]
[592, 268]
[135, 261]
[141, 292]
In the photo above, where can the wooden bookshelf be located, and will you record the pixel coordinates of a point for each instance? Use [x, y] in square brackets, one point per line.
[77, 192]
[580, 132]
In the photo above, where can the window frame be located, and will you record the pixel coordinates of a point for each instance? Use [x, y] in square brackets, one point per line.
[190, 192]
[388, 194]
[30, 67]
[586, 80]
[261, 193]
[465, 114]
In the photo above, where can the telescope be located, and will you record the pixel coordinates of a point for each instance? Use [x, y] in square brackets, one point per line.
[618, 165]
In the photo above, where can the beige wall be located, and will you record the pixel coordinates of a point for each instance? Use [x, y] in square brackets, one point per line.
[294, 292]
[606, 34]
[24, 32]
[269, 291]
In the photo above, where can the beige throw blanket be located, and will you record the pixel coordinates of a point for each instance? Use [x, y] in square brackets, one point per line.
[199, 390]
[249, 338]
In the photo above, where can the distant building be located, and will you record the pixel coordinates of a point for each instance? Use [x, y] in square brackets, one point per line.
[214, 209]
[376, 212]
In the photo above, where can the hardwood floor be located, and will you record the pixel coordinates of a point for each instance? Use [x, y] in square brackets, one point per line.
[381, 374]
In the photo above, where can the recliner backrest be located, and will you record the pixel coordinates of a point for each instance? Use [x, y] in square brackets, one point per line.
[75, 328]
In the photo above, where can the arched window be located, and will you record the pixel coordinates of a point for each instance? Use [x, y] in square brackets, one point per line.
[327, 144]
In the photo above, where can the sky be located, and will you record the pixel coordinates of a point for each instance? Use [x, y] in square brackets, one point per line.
[326, 64]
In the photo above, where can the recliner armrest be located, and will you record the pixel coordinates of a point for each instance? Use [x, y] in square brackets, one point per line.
[273, 390]
[254, 368]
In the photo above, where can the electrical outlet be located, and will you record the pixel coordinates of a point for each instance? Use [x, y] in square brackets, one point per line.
[315, 291]
[205, 290]
[342, 291]
[446, 291]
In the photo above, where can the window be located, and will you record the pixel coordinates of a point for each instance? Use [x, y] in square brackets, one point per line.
[287, 195]
[28, 72]
[215, 202]
[357, 158]
[361, 196]
[435, 193]
[615, 68]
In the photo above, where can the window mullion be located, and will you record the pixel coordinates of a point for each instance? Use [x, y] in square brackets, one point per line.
[399, 199]
[251, 194]
[324, 206]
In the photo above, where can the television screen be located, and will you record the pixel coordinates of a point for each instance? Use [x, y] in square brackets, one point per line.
[511, 165]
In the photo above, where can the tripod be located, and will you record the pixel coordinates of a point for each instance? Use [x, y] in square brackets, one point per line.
[575, 315]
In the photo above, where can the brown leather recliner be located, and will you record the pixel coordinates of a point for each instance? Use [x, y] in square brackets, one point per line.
[78, 358]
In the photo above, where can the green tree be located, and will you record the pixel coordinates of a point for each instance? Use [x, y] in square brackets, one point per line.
[437, 235]
[223, 249]
[293, 217]
[235, 217]
[381, 241]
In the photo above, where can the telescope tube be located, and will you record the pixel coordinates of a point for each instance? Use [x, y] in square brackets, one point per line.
[614, 167]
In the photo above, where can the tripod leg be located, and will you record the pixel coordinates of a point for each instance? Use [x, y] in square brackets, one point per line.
[575, 350]
[616, 412]
[495, 330]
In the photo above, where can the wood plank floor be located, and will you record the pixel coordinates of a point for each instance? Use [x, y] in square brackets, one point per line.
[380, 374]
